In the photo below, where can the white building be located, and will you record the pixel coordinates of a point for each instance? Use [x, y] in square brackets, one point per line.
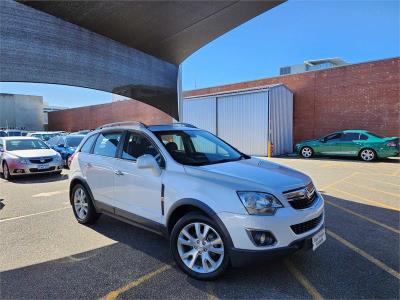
[312, 65]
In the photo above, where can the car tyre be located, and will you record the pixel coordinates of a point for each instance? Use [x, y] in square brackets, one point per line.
[306, 152]
[66, 162]
[82, 205]
[367, 155]
[6, 172]
[199, 247]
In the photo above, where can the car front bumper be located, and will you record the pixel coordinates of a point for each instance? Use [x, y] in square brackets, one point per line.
[279, 225]
[17, 168]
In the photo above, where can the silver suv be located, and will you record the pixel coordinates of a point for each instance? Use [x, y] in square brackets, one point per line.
[216, 205]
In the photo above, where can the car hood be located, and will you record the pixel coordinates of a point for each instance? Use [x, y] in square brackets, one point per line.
[33, 153]
[252, 173]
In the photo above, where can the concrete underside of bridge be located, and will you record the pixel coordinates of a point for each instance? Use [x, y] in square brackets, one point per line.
[131, 48]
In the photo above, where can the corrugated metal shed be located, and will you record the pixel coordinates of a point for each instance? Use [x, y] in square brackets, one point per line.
[246, 118]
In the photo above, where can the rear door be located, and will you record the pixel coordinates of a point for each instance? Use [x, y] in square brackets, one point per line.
[350, 143]
[98, 167]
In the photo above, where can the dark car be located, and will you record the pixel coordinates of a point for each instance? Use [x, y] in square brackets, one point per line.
[65, 145]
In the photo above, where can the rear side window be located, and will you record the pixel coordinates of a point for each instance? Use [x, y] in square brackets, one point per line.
[363, 137]
[350, 137]
[107, 144]
[87, 146]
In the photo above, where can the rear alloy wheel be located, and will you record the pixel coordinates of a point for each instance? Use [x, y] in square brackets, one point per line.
[367, 155]
[198, 247]
[6, 172]
[306, 152]
[82, 205]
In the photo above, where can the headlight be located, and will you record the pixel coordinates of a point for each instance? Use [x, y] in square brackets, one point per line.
[23, 161]
[57, 157]
[257, 203]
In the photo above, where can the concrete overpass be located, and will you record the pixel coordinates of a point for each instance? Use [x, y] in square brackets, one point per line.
[129, 48]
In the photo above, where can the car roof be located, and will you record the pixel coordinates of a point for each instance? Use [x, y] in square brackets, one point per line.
[8, 138]
[355, 131]
[73, 135]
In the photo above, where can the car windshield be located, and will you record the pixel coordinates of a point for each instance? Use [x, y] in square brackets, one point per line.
[73, 141]
[375, 135]
[33, 144]
[197, 147]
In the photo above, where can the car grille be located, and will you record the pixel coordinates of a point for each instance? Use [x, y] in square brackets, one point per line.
[43, 160]
[307, 226]
[36, 170]
[302, 198]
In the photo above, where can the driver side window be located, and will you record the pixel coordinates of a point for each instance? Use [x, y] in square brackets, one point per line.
[137, 145]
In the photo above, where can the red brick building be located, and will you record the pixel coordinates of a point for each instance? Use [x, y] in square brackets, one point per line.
[357, 96]
[89, 117]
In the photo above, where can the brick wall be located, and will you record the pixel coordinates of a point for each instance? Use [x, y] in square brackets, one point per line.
[358, 96]
[89, 117]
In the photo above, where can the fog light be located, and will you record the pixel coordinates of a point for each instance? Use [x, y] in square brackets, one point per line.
[19, 171]
[261, 238]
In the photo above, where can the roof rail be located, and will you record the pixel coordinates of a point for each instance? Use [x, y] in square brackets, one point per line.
[176, 124]
[116, 124]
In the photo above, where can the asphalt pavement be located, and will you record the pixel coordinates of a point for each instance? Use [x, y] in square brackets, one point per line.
[45, 253]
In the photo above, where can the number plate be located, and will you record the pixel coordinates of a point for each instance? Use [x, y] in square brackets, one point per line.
[42, 167]
[318, 239]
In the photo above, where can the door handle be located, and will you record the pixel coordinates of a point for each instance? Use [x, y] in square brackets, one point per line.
[118, 172]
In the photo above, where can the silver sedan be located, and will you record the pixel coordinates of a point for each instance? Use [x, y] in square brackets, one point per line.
[27, 155]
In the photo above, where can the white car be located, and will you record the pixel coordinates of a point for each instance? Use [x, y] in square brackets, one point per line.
[218, 206]
[21, 155]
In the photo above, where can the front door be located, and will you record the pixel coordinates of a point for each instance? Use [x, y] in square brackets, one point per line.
[137, 191]
[330, 145]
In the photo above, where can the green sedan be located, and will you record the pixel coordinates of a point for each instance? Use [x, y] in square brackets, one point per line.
[357, 143]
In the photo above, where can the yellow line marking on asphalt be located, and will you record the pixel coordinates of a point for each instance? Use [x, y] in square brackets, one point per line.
[210, 292]
[303, 280]
[48, 194]
[380, 204]
[363, 217]
[373, 189]
[114, 294]
[384, 182]
[338, 181]
[35, 214]
[364, 254]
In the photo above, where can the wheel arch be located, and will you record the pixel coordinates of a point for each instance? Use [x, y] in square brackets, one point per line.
[365, 147]
[184, 206]
[79, 180]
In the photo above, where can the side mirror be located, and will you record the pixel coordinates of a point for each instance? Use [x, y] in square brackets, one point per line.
[60, 145]
[147, 161]
[322, 140]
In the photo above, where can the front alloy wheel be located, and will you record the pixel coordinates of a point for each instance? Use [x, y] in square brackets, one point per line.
[6, 172]
[306, 152]
[367, 155]
[82, 205]
[200, 248]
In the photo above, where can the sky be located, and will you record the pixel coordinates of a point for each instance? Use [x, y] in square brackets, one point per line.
[291, 33]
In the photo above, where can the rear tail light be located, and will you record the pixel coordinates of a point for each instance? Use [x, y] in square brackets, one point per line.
[391, 144]
[71, 158]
